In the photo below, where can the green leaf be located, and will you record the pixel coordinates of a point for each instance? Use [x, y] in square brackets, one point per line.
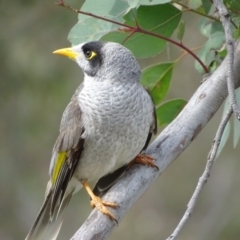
[89, 28]
[157, 79]
[222, 53]
[148, 18]
[208, 52]
[153, 2]
[151, 75]
[206, 5]
[194, 4]
[137, 3]
[133, 3]
[224, 139]
[236, 132]
[129, 17]
[168, 111]
[226, 131]
[233, 5]
[237, 32]
[208, 26]
[181, 30]
[236, 123]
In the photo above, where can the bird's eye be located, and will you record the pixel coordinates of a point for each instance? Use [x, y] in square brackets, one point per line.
[90, 54]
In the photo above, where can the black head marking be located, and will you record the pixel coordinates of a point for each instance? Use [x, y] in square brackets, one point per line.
[97, 60]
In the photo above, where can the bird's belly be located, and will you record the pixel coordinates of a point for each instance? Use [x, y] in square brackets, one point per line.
[103, 154]
[116, 129]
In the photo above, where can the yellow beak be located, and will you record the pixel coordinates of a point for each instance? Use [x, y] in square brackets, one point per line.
[68, 52]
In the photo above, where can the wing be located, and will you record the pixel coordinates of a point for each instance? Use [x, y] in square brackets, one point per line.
[106, 182]
[66, 152]
[153, 127]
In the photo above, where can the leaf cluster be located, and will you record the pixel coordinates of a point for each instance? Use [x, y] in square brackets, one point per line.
[145, 27]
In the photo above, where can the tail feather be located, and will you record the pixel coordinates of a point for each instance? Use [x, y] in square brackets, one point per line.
[47, 227]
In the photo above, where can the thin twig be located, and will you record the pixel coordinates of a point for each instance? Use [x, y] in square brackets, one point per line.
[225, 19]
[201, 13]
[135, 30]
[203, 179]
[195, 11]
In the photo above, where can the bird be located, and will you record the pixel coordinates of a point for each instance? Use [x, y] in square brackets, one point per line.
[104, 130]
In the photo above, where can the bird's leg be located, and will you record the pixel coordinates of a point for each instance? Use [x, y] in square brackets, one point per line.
[99, 203]
[144, 160]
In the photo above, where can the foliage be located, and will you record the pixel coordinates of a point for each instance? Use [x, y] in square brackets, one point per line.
[145, 27]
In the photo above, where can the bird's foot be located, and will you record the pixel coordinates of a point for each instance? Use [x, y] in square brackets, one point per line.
[99, 203]
[144, 160]
[102, 206]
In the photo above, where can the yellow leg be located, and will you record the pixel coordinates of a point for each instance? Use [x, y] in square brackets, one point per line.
[98, 203]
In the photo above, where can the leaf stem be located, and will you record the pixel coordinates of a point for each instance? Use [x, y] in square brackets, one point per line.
[195, 11]
[134, 30]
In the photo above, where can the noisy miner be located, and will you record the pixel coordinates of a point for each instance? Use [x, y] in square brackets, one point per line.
[108, 122]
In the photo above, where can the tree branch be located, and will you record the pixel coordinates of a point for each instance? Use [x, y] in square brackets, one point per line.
[225, 19]
[165, 149]
[203, 179]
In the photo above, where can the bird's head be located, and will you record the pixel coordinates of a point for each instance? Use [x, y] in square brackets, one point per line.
[104, 60]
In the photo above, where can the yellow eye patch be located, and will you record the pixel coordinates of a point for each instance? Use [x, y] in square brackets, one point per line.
[90, 54]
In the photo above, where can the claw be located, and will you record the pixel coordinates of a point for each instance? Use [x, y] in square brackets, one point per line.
[144, 160]
[102, 206]
[99, 203]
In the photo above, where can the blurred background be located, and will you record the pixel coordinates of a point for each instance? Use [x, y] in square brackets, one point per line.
[36, 86]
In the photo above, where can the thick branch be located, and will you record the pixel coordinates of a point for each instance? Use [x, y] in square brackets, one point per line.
[165, 149]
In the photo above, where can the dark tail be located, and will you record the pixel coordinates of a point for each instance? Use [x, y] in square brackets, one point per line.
[46, 227]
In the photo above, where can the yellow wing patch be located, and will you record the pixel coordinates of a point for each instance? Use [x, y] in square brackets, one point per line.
[58, 165]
